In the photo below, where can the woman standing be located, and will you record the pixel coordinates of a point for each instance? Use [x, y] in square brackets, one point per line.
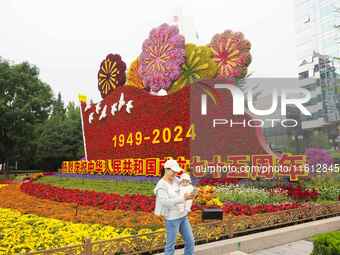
[167, 197]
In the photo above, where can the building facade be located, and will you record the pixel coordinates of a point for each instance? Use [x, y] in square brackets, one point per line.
[318, 58]
[317, 25]
[319, 77]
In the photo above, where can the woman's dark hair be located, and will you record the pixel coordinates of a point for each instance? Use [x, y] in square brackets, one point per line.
[162, 171]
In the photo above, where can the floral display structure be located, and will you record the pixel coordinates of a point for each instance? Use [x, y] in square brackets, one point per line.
[161, 58]
[133, 78]
[198, 65]
[138, 124]
[130, 134]
[231, 52]
[111, 74]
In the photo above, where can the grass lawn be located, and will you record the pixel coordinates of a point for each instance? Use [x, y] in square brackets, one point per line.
[108, 186]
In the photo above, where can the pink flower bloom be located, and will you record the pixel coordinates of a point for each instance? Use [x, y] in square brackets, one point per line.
[231, 53]
[162, 56]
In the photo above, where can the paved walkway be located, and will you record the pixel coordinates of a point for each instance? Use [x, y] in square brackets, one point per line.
[297, 248]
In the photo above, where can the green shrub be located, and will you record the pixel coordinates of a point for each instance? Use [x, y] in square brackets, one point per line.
[327, 244]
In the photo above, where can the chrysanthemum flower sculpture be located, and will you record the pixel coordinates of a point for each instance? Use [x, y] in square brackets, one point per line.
[161, 58]
[111, 74]
[133, 78]
[231, 53]
[198, 65]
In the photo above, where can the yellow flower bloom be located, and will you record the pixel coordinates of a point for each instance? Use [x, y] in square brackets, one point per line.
[20, 233]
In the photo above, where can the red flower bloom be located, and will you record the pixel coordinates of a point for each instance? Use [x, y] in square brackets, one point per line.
[100, 200]
[298, 193]
[218, 181]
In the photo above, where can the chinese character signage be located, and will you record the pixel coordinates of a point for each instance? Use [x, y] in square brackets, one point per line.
[131, 132]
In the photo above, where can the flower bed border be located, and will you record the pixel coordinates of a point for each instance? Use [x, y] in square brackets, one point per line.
[205, 232]
[106, 201]
[133, 202]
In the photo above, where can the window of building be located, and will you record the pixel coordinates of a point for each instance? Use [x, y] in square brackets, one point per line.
[303, 75]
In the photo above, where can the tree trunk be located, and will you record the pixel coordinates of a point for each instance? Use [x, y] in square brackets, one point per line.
[6, 170]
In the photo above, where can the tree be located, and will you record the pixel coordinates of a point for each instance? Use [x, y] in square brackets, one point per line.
[73, 122]
[25, 101]
[59, 139]
[58, 108]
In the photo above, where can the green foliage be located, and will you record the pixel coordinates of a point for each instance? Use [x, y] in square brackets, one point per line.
[35, 129]
[319, 140]
[250, 196]
[328, 186]
[327, 244]
[335, 155]
[107, 186]
[24, 103]
[59, 138]
[58, 108]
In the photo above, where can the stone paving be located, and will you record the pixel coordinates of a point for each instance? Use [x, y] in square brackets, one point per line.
[301, 247]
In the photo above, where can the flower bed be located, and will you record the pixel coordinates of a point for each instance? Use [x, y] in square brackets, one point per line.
[242, 209]
[151, 179]
[218, 181]
[122, 178]
[328, 186]
[6, 181]
[121, 187]
[21, 233]
[302, 194]
[153, 241]
[250, 196]
[238, 218]
[12, 197]
[245, 201]
[100, 200]
[136, 202]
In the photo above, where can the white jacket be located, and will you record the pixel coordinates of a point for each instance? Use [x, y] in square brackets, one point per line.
[167, 197]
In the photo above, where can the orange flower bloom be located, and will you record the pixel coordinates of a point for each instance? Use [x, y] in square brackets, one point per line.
[133, 78]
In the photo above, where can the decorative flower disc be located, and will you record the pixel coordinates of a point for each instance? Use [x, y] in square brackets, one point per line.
[133, 78]
[231, 53]
[111, 74]
[162, 56]
[198, 65]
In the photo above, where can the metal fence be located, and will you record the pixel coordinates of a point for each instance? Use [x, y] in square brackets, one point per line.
[205, 232]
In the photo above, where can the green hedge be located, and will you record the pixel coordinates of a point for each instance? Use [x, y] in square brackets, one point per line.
[327, 244]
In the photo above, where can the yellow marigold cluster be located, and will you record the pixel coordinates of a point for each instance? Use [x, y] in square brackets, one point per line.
[20, 233]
